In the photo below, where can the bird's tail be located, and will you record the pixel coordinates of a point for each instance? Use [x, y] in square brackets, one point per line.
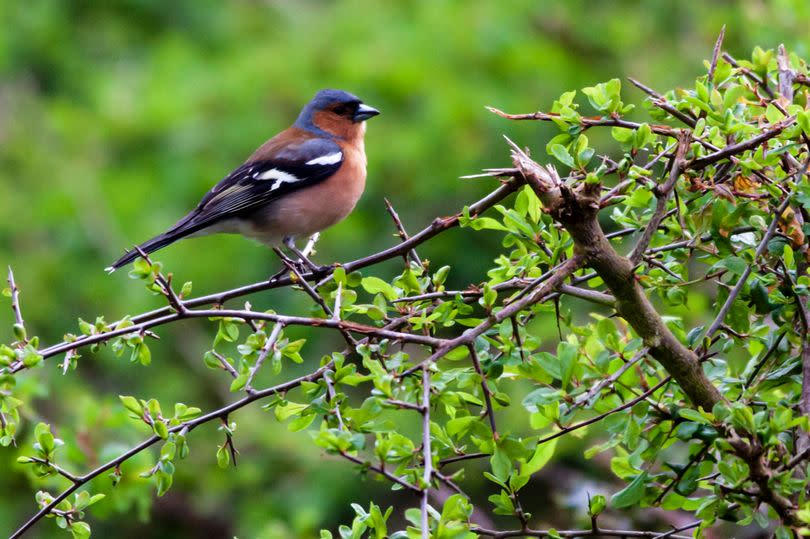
[158, 242]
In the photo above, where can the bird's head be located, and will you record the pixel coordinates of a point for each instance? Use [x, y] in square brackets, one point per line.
[336, 112]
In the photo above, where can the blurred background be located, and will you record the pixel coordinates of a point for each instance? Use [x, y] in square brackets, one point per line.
[117, 116]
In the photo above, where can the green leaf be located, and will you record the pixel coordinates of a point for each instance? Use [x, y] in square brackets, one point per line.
[561, 153]
[289, 409]
[692, 415]
[375, 285]
[164, 482]
[186, 290]
[31, 358]
[567, 356]
[542, 454]
[596, 504]
[132, 404]
[631, 494]
[734, 264]
[803, 119]
[239, 382]
[46, 441]
[80, 530]
[223, 456]
[501, 464]
[161, 429]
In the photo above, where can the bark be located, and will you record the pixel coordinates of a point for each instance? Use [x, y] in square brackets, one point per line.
[577, 209]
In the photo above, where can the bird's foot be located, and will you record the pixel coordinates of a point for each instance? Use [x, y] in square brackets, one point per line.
[303, 263]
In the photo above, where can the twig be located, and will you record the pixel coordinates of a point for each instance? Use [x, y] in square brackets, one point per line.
[225, 364]
[518, 340]
[427, 454]
[317, 297]
[600, 532]
[750, 144]
[662, 193]
[61, 471]
[330, 391]
[459, 458]
[660, 101]
[401, 232]
[489, 411]
[596, 389]
[601, 416]
[15, 305]
[718, 45]
[586, 122]
[242, 315]
[269, 345]
[532, 296]
[762, 83]
[763, 244]
[681, 472]
[165, 284]
[382, 471]
[771, 349]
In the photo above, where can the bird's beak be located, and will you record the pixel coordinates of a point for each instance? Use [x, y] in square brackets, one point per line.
[364, 112]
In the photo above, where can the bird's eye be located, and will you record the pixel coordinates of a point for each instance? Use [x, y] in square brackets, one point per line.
[341, 110]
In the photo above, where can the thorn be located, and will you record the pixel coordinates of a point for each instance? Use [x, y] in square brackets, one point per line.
[515, 147]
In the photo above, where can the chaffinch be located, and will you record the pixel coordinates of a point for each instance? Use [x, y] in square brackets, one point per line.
[301, 181]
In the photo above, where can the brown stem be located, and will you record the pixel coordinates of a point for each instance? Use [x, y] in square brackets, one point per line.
[577, 211]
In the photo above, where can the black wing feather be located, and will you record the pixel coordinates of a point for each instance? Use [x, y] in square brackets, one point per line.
[242, 191]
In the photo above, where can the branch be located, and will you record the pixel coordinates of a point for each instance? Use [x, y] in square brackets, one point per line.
[342, 325]
[401, 232]
[268, 346]
[586, 122]
[600, 532]
[165, 315]
[15, 305]
[427, 455]
[490, 411]
[661, 102]
[763, 244]
[577, 210]
[530, 295]
[600, 417]
[750, 144]
[382, 471]
[662, 193]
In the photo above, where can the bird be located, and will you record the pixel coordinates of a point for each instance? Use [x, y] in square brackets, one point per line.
[303, 180]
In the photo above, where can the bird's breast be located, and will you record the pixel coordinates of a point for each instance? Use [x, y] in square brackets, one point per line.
[313, 208]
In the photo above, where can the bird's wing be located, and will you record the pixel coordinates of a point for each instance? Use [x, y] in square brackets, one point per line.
[293, 167]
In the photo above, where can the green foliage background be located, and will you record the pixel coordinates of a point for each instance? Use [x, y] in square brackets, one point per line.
[115, 117]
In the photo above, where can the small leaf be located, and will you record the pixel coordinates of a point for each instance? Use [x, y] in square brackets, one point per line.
[596, 504]
[80, 530]
[375, 285]
[631, 494]
[132, 404]
[561, 153]
[223, 456]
